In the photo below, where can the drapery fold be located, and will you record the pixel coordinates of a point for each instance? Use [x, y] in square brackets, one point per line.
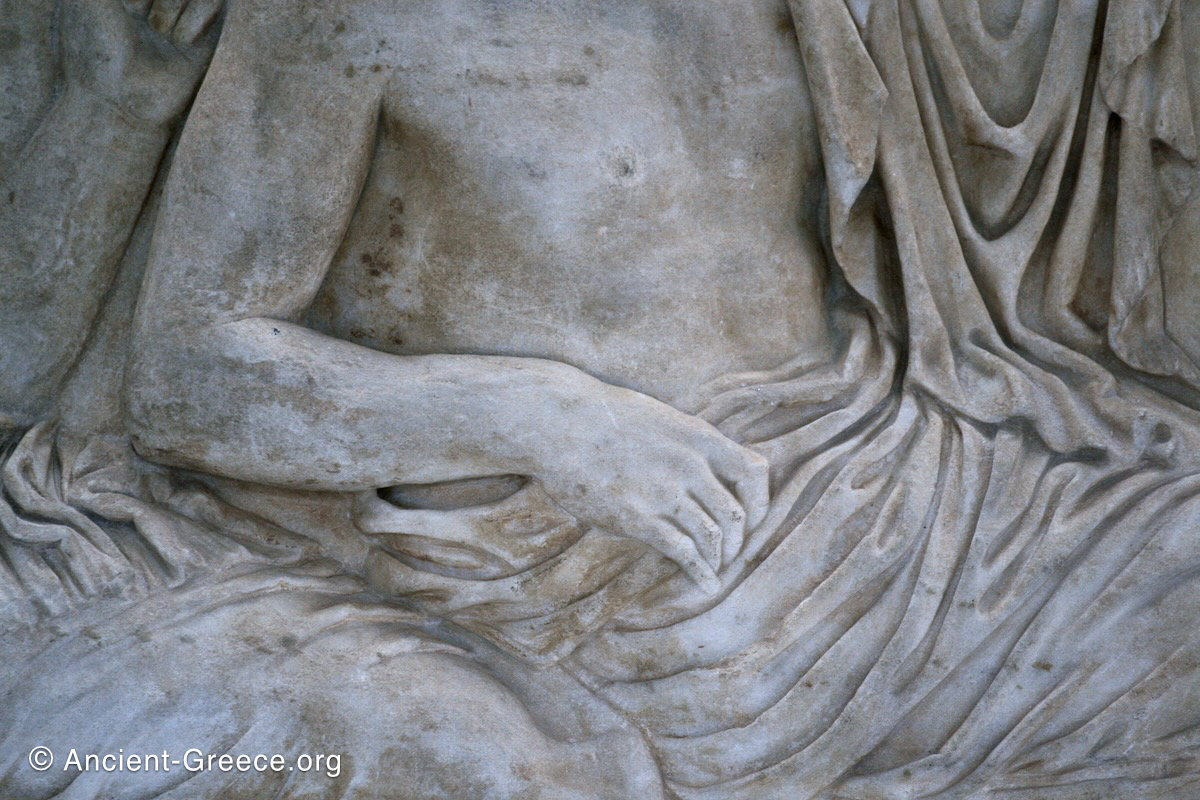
[991, 222]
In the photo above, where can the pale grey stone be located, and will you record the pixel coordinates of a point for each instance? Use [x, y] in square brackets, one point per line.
[574, 399]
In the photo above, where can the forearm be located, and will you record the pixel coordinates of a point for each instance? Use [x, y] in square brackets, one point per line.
[69, 204]
[267, 401]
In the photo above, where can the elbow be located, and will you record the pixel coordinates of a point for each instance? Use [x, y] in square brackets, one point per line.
[149, 404]
[159, 400]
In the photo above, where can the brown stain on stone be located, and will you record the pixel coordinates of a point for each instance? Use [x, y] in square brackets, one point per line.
[481, 77]
[573, 78]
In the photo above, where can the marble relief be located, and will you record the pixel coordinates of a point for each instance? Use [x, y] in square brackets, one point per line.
[677, 399]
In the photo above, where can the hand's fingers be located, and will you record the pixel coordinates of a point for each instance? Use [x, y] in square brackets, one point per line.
[748, 476]
[726, 457]
[137, 7]
[196, 20]
[722, 506]
[754, 491]
[666, 537]
[702, 529]
[163, 14]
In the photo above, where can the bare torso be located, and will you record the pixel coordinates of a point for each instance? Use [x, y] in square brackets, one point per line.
[615, 185]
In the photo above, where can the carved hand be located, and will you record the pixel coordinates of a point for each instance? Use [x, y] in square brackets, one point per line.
[637, 467]
[144, 57]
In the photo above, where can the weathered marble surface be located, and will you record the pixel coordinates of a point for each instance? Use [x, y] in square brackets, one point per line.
[576, 399]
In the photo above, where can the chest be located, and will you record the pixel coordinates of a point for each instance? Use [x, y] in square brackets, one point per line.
[555, 86]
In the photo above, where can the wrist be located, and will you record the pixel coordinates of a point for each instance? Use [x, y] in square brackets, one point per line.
[541, 408]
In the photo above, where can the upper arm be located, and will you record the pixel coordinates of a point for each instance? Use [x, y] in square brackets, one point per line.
[266, 175]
